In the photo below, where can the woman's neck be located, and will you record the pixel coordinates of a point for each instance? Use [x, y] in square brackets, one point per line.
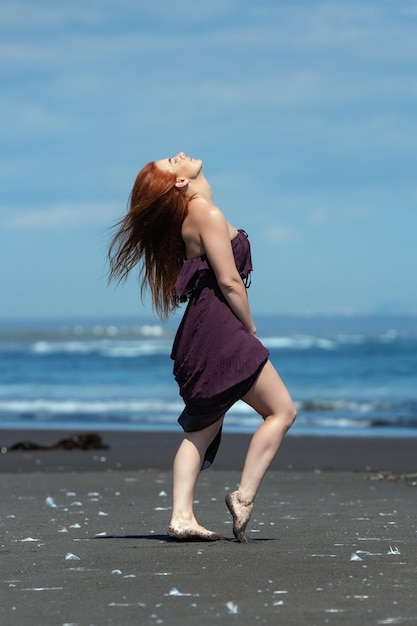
[200, 188]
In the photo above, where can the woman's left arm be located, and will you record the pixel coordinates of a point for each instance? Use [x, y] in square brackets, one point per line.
[215, 238]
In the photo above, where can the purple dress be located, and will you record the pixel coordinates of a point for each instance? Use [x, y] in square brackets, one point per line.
[216, 360]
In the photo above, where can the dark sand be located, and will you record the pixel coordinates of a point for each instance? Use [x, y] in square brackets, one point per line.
[333, 536]
[142, 450]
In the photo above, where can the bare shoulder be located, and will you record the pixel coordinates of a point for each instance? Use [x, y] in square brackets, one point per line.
[204, 221]
[200, 212]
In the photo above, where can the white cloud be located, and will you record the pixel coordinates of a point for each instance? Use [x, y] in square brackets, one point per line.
[39, 117]
[65, 215]
[280, 234]
[362, 28]
[48, 13]
[365, 31]
[44, 14]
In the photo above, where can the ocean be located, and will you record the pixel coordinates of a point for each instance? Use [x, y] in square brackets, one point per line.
[348, 375]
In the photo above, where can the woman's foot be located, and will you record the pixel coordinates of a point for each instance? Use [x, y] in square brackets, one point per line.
[192, 534]
[241, 512]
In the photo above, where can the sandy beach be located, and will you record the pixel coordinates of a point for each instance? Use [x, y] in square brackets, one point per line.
[333, 535]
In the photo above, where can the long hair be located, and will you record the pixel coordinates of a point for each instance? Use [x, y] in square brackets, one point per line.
[150, 234]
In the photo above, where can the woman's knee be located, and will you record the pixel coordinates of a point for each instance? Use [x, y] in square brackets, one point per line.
[291, 414]
[286, 415]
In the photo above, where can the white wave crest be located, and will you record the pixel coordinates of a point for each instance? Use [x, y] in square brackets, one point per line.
[66, 407]
[299, 342]
[105, 348]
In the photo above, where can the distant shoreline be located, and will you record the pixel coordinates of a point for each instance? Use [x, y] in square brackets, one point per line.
[282, 322]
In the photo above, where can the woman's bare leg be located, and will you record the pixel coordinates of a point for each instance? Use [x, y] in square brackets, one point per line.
[270, 398]
[186, 469]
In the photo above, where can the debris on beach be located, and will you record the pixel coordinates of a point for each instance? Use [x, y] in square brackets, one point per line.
[72, 557]
[84, 441]
[232, 608]
[174, 592]
[403, 477]
[355, 556]
[42, 588]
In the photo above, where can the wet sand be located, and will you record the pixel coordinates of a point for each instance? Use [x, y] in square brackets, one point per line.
[333, 536]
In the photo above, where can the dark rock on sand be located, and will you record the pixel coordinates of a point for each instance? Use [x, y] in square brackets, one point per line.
[85, 441]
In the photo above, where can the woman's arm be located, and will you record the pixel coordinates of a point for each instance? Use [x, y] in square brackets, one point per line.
[215, 238]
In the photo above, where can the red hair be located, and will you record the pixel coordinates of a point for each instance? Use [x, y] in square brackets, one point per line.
[150, 234]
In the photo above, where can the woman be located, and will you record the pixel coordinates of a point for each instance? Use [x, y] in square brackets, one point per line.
[187, 249]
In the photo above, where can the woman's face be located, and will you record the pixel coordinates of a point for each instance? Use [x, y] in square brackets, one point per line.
[181, 165]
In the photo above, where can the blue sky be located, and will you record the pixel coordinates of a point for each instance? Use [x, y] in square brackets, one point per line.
[304, 113]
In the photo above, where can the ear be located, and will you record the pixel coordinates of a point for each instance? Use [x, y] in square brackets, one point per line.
[182, 183]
